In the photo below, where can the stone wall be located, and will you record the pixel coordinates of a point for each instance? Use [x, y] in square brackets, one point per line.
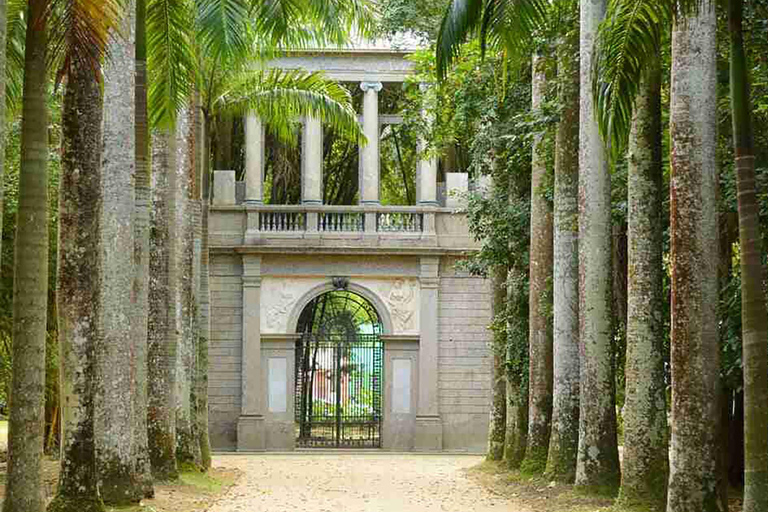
[225, 350]
[464, 359]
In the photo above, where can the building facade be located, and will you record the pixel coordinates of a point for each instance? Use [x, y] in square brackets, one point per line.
[345, 326]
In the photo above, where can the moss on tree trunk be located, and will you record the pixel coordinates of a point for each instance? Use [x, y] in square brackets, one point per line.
[645, 464]
[695, 356]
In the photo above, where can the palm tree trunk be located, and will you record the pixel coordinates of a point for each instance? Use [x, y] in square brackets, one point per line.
[3, 36]
[78, 293]
[645, 464]
[118, 360]
[204, 319]
[498, 420]
[187, 446]
[564, 439]
[598, 457]
[516, 437]
[141, 215]
[754, 323]
[162, 337]
[695, 356]
[23, 484]
[540, 325]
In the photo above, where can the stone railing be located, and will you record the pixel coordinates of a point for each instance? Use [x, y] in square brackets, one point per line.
[337, 219]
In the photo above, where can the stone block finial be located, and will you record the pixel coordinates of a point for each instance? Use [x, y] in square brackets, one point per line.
[367, 86]
[224, 188]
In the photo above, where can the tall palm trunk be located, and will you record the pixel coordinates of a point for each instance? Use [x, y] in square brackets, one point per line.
[78, 293]
[204, 319]
[754, 323]
[3, 35]
[141, 215]
[23, 484]
[695, 356]
[120, 365]
[498, 420]
[163, 296]
[187, 447]
[540, 325]
[645, 464]
[516, 437]
[598, 457]
[564, 440]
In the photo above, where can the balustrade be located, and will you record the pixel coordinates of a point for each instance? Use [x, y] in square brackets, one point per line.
[282, 221]
[340, 221]
[410, 222]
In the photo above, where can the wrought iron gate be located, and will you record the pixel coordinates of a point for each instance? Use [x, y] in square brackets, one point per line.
[338, 391]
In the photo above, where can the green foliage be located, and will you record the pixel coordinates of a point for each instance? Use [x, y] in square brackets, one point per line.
[422, 18]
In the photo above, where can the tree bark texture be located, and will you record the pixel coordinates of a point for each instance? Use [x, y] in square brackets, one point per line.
[23, 483]
[754, 321]
[3, 135]
[516, 437]
[163, 297]
[645, 463]
[187, 446]
[141, 215]
[564, 439]
[204, 319]
[78, 292]
[540, 292]
[498, 420]
[598, 457]
[695, 356]
[118, 364]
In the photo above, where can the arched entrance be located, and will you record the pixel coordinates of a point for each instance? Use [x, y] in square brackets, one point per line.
[339, 370]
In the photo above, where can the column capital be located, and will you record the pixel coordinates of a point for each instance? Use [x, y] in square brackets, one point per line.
[251, 282]
[375, 86]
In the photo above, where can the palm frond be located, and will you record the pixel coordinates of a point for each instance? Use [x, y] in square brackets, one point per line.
[507, 25]
[280, 97]
[170, 59]
[14, 54]
[301, 23]
[222, 27]
[461, 18]
[79, 32]
[628, 39]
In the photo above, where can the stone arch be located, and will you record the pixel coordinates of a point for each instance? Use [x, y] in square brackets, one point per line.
[366, 293]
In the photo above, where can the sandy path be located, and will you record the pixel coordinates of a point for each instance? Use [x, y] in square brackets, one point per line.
[355, 482]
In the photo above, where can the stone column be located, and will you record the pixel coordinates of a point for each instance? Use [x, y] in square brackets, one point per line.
[429, 428]
[254, 159]
[426, 172]
[369, 154]
[312, 162]
[250, 425]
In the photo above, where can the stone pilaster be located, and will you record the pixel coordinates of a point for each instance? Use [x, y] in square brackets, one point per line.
[312, 162]
[429, 428]
[250, 425]
[369, 154]
[254, 159]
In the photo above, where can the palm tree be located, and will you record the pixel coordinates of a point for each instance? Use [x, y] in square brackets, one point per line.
[694, 350]
[78, 293]
[540, 337]
[504, 25]
[564, 439]
[498, 423]
[23, 485]
[753, 309]
[645, 463]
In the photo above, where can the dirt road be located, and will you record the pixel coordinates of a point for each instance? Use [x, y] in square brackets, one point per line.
[356, 482]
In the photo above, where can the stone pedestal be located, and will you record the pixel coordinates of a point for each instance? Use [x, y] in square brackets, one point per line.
[250, 434]
[224, 188]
